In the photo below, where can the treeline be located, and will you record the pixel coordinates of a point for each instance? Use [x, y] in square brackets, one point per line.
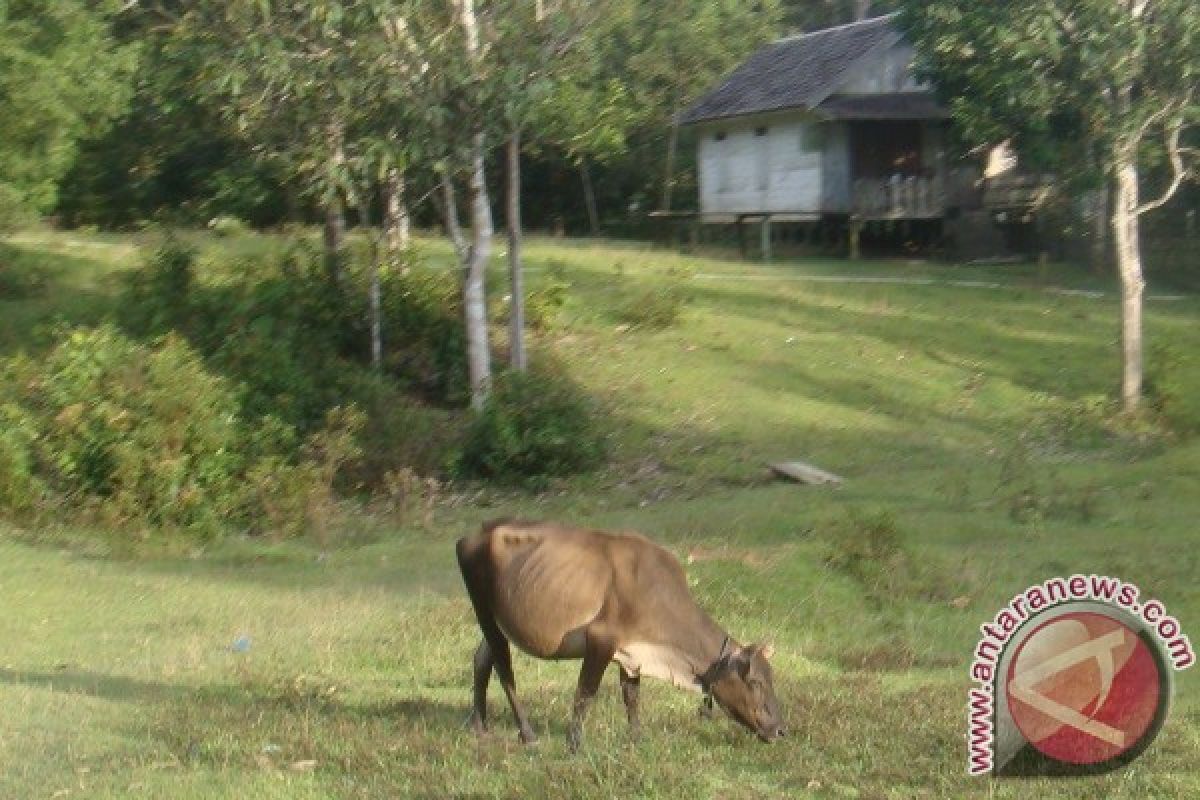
[159, 143]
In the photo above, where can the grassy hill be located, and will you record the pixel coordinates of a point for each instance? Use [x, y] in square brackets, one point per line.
[963, 405]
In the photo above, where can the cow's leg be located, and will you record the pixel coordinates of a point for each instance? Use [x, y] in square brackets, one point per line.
[473, 563]
[503, 661]
[483, 674]
[629, 693]
[598, 652]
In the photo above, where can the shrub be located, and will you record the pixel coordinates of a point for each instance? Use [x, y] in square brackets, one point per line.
[544, 305]
[425, 346]
[20, 488]
[1167, 390]
[871, 550]
[651, 305]
[534, 426]
[147, 436]
[158, 296]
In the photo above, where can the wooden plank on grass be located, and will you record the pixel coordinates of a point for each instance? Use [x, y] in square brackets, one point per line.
[806, 473]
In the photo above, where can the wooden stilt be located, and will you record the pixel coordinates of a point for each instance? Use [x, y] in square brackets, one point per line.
[855, 232]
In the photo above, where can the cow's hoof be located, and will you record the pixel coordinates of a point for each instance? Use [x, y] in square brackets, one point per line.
[477, 725]
[527, 737]
[574, 740]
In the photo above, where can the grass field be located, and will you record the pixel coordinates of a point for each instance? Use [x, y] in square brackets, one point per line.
[962, 416]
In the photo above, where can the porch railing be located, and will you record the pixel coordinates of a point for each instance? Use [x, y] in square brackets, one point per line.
[899, 197]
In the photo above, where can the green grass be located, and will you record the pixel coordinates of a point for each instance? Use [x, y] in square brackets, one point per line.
[958, 411]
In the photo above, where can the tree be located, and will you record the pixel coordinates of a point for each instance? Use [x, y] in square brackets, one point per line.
[63, 77]
[292, 77]
[811, 15]
[680, 48]
[1084, 84]
[533, 44]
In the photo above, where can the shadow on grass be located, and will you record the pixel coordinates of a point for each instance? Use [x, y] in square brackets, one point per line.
[39, 289]
[108, 687]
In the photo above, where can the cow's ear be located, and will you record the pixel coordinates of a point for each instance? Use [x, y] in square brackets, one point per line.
[740, 660]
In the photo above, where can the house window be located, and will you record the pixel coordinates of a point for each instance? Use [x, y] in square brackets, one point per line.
[719, 136]
[760, 131]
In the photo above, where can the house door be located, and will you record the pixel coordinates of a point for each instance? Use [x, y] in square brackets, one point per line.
[883, 149]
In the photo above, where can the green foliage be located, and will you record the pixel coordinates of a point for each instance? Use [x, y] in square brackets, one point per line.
[20, 487]
[295, 347]
[871, 549]
[535, 426]
[1167, 386]
[980, 57]
[544, 305]
[650, 304]
[159, 294]
[133, 434]
[62, 77]
[425, 345]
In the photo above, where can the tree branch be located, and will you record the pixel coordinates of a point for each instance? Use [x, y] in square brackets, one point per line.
[1178, 168]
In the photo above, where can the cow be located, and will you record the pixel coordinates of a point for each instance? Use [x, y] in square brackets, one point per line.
[559, 592]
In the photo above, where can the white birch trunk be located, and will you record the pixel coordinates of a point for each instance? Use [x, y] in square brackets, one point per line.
[396, 217]
[1129, 267]
[479, 369]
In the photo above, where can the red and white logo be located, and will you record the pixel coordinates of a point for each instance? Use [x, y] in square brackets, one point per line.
[1084, 688]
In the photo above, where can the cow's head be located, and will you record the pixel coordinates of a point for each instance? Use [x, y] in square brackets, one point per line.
[742, 685]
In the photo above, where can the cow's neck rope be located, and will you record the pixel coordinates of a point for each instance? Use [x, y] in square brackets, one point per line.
[707, 677]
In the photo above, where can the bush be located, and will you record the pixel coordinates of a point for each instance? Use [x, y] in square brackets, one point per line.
[651, 305]
[425, 345]
[146, 436]
[871, 550]
[20, 489]
[158, 296]
[534, 426]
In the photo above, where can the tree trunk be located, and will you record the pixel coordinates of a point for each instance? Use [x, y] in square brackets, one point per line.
[589, 198]
[479, 369]
[374, 292]
[862, 9]
[1101, 221]
[450, 219]
[335, 206]
[669, 171]
[334, 237]
[517, 311]
[396, 219]
[1129, 267]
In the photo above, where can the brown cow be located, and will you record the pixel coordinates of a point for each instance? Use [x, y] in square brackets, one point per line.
[559, 592]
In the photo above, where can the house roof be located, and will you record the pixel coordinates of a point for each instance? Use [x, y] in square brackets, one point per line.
[899, 105]
[797, 72]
